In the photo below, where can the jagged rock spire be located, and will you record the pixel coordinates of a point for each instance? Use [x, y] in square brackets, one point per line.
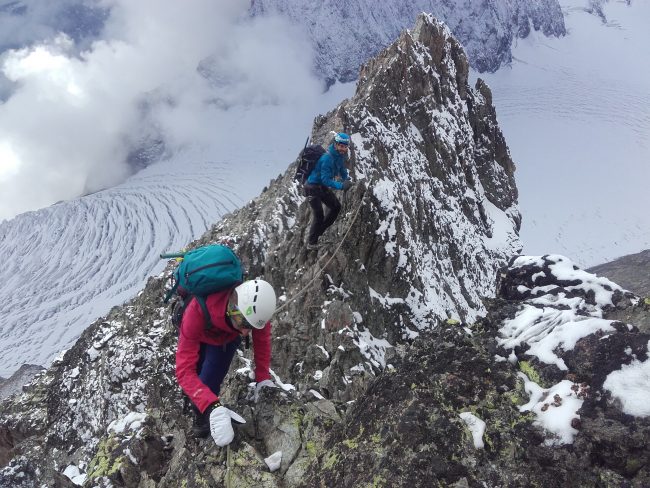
[439, 212]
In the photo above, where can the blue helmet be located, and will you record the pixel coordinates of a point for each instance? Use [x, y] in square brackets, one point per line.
[342, 138]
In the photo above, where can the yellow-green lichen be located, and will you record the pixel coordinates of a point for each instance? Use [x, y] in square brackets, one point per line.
[632, 466]
[452, 322]
[529, 371]
[524, 418]
[472, 409]
[514, 397]
[331, 460]
[378, 481]
[102, 464]
[375, 438]
[350, 444]
[489, 404]
[310, 447]
[646, 300]
[488, 441]
[297, 417]
[200, 480]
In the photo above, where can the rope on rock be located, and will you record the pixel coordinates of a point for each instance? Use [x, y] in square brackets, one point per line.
[228, 468]
[306, 287]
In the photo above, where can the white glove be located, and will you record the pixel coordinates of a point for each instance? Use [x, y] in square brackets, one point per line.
[221, 425]
[260, 385]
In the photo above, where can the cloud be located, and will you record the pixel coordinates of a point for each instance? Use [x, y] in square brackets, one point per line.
[24, 22]
[161, 73]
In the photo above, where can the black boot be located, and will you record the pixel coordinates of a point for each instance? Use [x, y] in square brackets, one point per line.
[201, 424]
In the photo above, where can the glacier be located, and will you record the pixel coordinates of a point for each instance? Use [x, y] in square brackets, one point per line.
[576, 114]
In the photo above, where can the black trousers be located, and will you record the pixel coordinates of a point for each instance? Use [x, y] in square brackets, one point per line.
[317, 195]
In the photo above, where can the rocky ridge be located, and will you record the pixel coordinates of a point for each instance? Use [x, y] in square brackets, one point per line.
[632, 273]
[426, 241]
[12, 385]
[455, 412]
[383, 351]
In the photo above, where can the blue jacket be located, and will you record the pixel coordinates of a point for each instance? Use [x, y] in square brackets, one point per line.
[330, 165]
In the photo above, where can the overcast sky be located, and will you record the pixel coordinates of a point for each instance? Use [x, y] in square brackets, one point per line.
[74, 109]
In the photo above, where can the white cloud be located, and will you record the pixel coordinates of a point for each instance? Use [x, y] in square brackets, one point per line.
[23, 22]
[170, 71]
[10, 164]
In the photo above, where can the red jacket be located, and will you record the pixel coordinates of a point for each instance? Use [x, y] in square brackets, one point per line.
[193, 333]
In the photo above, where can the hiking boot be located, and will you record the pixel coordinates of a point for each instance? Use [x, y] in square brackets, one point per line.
[201, 424]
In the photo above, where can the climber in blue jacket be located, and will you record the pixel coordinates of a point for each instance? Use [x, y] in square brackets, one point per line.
[329, 168]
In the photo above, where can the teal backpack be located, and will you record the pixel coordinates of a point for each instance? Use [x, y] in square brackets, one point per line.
[202, 271]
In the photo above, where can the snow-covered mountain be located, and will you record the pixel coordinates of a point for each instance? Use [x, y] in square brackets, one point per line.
[347, 33]
[380, 382]
[575, 108]
[71, 262]
[54, 288]
[422, 233]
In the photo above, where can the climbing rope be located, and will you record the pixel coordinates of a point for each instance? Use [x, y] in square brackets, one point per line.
[306, 287]
[228, 468]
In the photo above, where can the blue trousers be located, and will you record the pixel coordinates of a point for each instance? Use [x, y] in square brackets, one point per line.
[214, 362]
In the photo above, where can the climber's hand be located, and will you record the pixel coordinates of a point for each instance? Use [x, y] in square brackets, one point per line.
[221, 425]
[260, 385]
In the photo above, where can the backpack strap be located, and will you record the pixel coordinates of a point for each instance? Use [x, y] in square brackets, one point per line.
[206, 313]
[173, 255]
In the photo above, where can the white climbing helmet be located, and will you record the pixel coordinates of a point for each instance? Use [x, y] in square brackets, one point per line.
[256, 300]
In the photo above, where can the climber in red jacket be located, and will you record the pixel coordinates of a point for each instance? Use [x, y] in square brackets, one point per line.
[203, 356]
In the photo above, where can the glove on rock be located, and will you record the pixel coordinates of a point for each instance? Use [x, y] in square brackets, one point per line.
[221, 425]
[260, 385]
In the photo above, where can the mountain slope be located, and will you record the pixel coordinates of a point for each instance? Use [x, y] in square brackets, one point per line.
[346, 34]
[377, 385]
[631, 271]
[427, 238]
